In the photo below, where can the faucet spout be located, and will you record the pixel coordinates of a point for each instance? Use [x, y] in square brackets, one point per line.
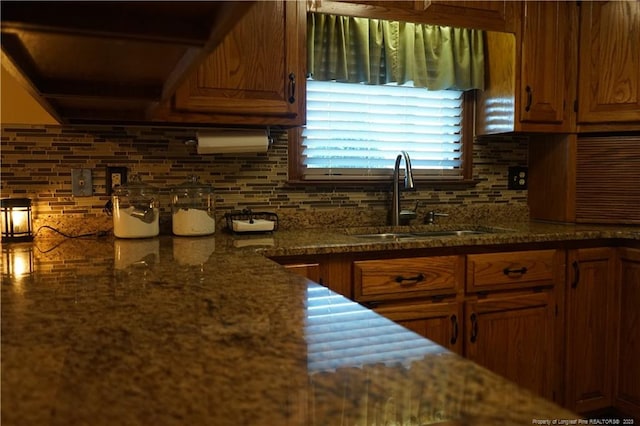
[408, 185]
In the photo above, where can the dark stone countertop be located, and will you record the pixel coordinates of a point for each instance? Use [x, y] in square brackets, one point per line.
[208, 331]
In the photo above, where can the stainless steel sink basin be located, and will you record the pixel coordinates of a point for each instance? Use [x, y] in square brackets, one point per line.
[449, 233]
[387, 236]
[384, 236]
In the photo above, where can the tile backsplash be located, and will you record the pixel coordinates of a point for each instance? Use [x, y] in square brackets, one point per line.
[37, 161]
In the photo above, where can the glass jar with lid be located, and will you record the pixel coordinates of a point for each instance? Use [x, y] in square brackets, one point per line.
[135, 210]
[193, 208]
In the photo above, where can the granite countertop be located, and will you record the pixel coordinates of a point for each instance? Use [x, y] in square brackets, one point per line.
[209, 331]
[348, 240]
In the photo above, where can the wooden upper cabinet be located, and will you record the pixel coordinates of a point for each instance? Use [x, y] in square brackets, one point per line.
[530, 83]
[544, 64]
[112, 61]
[497, 15]
[609, 72]
[256, 76]
[481, 14]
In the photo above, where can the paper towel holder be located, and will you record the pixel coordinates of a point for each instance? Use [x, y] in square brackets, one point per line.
[193, 141]
[270, 137]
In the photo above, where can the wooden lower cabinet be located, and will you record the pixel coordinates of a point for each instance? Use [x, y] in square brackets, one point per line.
[404, 278]
[513, 335]
[419, 293]
[440, 322]
[591, 326]
[627, 386]
[575, 340]
[307, 270]
[332, 271]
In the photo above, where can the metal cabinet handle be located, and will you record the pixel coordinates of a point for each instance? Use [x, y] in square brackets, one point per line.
[454, 323]
[576, 273]
[527, 107]
[292, 88]
[520, 271]
[414, 280]
[474, 328]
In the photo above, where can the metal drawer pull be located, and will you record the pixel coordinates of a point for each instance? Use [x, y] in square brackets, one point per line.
[576, 272]
[474, 328]
[454, 323]
[292, 88]
[527, 108]
[520, 271]
[400, 279]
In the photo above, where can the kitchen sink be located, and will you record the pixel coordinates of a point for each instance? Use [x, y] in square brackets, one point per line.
[384, 236]
[449, 233]
[387, 236]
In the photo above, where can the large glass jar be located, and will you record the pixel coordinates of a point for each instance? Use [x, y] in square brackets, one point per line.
[135, 210]
[193, 208]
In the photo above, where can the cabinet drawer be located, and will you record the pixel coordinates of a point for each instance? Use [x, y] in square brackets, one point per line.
[411, 277]
[511, 270]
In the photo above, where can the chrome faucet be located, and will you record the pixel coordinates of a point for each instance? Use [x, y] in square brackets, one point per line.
[396, 213]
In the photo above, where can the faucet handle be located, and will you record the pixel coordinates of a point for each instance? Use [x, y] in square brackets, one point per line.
[406, 216]
[431, 216]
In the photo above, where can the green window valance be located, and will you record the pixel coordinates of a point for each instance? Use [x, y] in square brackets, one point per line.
[374, 51]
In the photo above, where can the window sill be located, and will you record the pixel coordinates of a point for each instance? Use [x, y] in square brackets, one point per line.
[420, 183]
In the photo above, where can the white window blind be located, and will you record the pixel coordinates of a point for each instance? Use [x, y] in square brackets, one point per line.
[356, 131]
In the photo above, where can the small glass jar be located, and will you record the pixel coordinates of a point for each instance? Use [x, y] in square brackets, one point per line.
[193, 208]
[135, 210]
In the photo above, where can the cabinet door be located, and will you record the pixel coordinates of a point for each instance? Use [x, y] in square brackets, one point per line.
[440, 322]
[514, 336]
[256, 75]
[544, 67]
[627, 388]
[609, 72]
[591, 325]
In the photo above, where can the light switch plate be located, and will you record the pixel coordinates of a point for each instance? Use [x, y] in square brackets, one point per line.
[81, 183]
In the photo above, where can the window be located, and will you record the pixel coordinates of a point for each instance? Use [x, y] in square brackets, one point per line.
[354, 132]
[362, 108]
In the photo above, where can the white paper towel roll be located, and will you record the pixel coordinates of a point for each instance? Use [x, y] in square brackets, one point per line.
[232, 141]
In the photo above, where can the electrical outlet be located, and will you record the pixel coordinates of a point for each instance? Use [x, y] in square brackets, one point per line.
[115, 176]
[518, 177]
[81, 183]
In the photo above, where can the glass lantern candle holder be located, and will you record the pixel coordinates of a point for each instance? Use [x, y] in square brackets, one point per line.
[16, 220]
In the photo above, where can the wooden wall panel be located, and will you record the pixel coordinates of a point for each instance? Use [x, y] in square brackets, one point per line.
[552, 177]
[608, 179]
